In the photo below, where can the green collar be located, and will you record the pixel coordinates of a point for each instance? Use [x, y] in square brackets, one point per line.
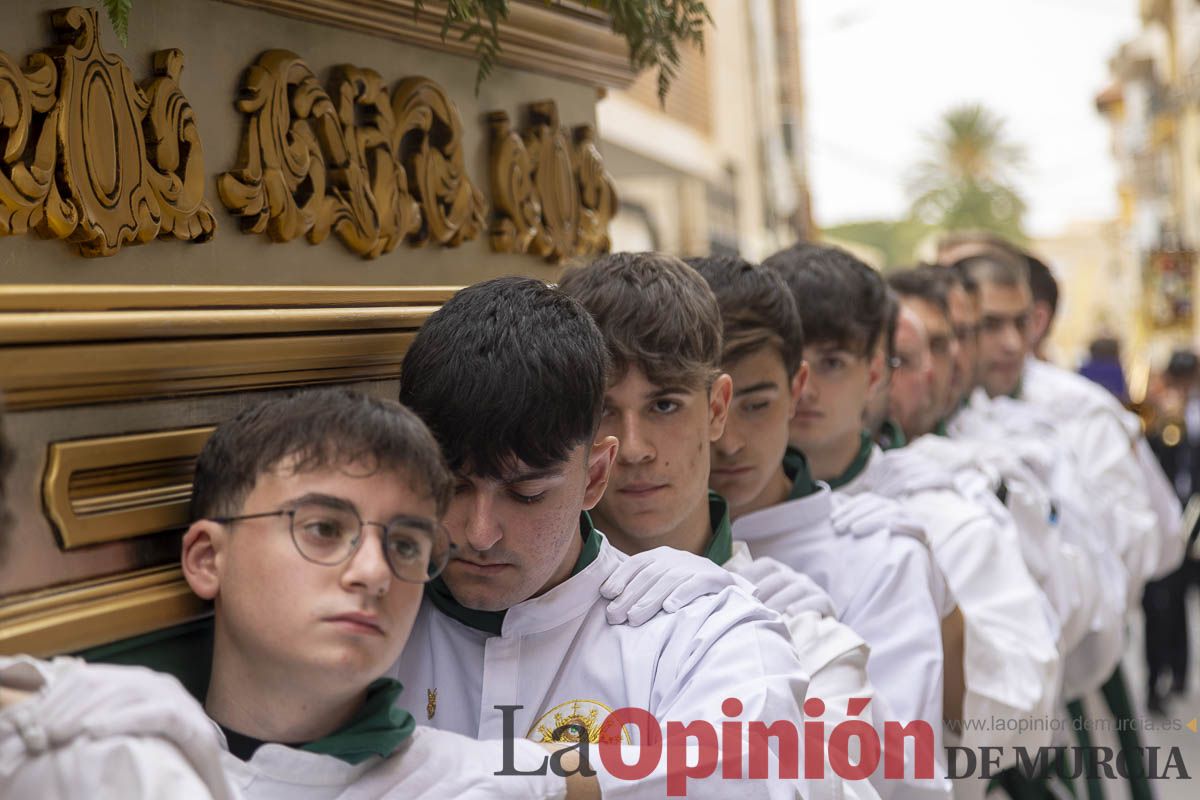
[379, 727]
[795, 466]
[940, 428]
[891, 436]
[720, 548]
[857, 465]
[1016, 393]
[493, 621]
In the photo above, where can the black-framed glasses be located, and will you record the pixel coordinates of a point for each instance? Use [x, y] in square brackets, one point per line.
[415, 548]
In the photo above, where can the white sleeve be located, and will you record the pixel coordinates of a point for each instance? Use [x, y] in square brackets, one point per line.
[1091, 661]
[725, 646]
[896, 613]
[105, 731]
[1011, 659]
[1109, 468]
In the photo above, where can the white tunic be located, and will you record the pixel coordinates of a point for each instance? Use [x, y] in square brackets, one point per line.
[96, 730]
[103, 731]
[1034, 436]
[1116, 462]
[429, 765]
[835, 658]
[1011, 659]
[559, 659]
[886, 589]
[1058, 548]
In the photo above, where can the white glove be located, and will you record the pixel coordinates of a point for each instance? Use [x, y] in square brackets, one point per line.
[662, 579]
[785, 591]
[867, 513]
[78, 710]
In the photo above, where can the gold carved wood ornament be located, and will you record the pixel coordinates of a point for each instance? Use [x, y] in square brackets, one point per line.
[376, 169]
[551, 195]
[88, 156]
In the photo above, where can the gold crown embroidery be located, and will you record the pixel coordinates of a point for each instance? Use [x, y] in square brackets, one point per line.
[589, 720]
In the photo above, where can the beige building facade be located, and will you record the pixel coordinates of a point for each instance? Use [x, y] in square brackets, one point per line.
[720, 167]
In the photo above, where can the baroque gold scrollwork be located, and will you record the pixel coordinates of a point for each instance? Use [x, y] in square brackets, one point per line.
[428, 140]
[597, 195]
[551, 195]
[373, 168]
[91, 157]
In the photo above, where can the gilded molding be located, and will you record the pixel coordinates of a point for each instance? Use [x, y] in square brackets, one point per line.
[111, 488]
[79, 345]
[374, 169]
[94, 612]
[90, 156]
[551, 195]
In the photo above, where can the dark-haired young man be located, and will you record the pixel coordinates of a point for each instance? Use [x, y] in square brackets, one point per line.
[667, 402]
[1012, 661]
[510, 375]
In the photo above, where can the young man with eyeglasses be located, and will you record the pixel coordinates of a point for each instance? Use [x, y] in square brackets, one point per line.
[1012, 664]
[514, 640]
[318, 525]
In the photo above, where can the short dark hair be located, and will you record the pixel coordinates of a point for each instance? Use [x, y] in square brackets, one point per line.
[319, 429]
[1042, 284]
[655, 313]
[926, 282]
[757, 309]
[840, 298]
[509, 368]
[891, 319]
[998, 267]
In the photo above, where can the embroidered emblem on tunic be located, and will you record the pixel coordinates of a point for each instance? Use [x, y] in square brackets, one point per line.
[430, 703]
[588, 715]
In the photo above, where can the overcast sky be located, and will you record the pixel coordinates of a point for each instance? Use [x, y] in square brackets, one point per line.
[880, 72]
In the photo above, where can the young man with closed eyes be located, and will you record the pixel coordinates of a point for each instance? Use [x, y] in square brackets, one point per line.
[510, 376]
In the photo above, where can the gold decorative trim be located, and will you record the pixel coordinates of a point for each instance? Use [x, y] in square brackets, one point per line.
[92, 158]
[71, 618]
[50, 376]
[551, 194]
[23, 328]
[118, 487]
[116, 297]
[564, 40]
[376, 170]
[156, 341]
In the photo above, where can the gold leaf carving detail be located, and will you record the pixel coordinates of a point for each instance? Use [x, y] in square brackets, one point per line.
[551, 194]
[374, 169]
[91, 157]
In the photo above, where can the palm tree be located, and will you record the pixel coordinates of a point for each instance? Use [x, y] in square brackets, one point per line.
[965, 181]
